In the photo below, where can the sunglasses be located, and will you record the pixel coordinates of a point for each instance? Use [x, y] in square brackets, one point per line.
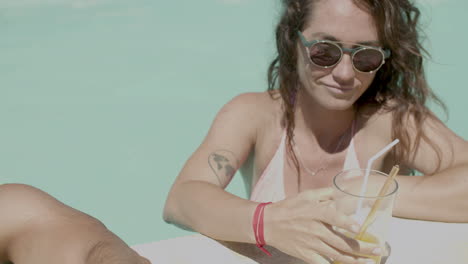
[327, 53]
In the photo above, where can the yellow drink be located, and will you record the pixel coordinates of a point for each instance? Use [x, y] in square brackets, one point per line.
[369, 239]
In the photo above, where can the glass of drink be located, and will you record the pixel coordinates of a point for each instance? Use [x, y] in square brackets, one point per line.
[359, 194]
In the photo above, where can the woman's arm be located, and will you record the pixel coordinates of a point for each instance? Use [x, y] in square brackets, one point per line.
[36, 228]
[197, 199]
[441, 194]
[298, 226]
[439, 197]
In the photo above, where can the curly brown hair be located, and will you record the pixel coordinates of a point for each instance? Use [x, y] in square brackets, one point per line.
[401, 80]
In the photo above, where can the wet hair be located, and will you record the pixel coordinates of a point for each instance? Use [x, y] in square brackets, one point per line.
[399, 86]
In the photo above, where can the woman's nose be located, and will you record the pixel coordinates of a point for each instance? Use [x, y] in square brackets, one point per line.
[343, 72]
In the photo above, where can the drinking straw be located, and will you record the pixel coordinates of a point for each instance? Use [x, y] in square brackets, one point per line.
[376, 204]
[369, 165]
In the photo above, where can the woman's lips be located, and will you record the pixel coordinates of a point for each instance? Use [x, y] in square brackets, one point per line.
[340, 89]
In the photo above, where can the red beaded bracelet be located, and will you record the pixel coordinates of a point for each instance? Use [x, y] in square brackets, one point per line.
[258, 227]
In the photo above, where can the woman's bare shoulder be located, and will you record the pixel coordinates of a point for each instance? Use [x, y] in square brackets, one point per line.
[377, 120]
[257, 99]
[258, 105]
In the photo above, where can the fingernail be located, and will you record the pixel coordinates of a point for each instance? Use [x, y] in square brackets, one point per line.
[355, 228]
[377, 251]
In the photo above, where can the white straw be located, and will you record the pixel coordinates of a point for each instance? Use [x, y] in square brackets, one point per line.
[369, 165]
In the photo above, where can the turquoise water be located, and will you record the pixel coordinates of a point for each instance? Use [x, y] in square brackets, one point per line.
[101, 102]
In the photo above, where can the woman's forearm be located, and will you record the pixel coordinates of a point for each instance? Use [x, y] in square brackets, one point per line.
[439, 197]
[209, 210]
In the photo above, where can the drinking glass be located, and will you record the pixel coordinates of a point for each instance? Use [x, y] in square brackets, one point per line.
[358, 193]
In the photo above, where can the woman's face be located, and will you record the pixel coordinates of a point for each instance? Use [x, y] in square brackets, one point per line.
[338, 87]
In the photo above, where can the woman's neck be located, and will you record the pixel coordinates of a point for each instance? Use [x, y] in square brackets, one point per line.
[324, 125]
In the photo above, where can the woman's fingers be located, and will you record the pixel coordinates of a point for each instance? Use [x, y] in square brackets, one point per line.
[348, 244]
[306, 221]
[331, 254]
[329, 215]
[324, 209]
[340, 257]
[312, 257]
[318, 195]
[332, 244]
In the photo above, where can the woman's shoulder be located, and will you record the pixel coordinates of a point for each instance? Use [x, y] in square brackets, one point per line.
[384, 116]
[265, 98]
[377, 119]
[255, 104]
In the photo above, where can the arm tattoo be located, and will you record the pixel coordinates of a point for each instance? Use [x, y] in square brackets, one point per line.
[223, 163]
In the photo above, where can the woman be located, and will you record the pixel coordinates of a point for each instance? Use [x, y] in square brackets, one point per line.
[348, 80]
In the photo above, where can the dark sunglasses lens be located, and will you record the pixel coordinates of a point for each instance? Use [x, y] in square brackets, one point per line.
[325, 54]
[367, 60]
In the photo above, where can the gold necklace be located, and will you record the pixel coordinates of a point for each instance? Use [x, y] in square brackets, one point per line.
[322, 165]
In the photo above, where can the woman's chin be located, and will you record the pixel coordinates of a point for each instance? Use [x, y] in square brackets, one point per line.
[337, 104]
[332, 101]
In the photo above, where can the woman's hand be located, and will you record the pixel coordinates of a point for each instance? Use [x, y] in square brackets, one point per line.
[302, 226]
